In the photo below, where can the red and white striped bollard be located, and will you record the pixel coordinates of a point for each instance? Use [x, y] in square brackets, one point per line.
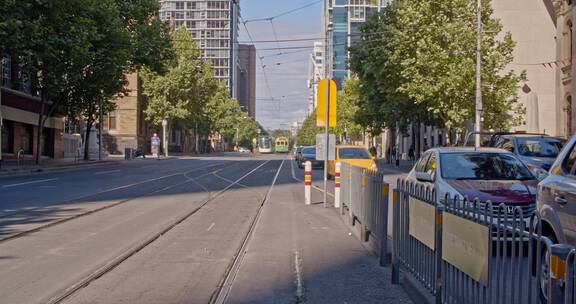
[307, 183]
[338, 170]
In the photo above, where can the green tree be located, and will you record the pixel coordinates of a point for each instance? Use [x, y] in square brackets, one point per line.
[180, 93]
[54, 50]
[306, 136]
[347, 111]
[416, 62]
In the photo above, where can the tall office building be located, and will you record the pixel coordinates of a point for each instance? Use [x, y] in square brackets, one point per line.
[342, 21]
[315, 73]
[214, 26]
[246, 89]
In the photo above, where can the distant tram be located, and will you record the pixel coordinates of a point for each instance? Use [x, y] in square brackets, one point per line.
[265, 144]
[282, 145]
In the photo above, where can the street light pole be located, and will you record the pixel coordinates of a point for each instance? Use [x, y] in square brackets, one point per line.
[479, 107]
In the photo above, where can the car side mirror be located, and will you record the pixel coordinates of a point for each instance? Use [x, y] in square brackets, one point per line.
[424, 177]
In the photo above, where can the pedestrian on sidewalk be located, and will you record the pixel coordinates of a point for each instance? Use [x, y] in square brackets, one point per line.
[373, 151]
[411, 155]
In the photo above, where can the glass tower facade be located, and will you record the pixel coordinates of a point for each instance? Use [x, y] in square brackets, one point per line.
[342, 20]
[214, 26]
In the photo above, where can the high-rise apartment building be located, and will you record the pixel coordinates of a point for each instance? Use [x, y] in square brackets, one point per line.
[246, 88]
[342, 21]
[214, 26]
[316, 73]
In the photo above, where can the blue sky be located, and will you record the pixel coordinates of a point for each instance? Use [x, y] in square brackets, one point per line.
[288, 80]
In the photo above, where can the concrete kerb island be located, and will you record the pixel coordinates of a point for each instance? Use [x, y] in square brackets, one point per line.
[346, 239]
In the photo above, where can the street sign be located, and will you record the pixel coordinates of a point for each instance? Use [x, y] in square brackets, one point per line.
[321, 147]
[321, 109]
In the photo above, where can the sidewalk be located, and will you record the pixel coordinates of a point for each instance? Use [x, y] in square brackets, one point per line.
[307, 254]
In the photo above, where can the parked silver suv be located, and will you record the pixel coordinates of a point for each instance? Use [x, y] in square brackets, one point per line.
[556, 197]
[556, 201]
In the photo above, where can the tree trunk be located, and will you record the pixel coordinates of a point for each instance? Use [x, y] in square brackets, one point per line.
[40, 132]
[196, 141]
[89, 123]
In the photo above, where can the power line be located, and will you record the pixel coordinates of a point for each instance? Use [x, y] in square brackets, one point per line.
[261, 61]
[284, 13]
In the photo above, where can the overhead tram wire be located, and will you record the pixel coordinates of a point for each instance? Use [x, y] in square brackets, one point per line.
[284, 13]
[262, 65]
[277, 44]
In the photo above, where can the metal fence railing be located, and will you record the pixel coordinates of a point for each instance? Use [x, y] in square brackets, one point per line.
[465, 251]
[364, 195]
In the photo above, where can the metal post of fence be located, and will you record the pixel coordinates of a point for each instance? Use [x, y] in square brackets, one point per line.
[307, 183]
[558, 256]
[438, 246]
[395, 235]
[337, 185]
[384, 222]
[569, 279]
[361, 204]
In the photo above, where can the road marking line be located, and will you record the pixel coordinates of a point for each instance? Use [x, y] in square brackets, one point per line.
[30, 183]
[313, 186]
[211, 226]
[106, 172]
[298, 267]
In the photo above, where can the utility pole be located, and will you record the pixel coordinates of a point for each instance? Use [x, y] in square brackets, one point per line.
[479, 108]
[327, 121]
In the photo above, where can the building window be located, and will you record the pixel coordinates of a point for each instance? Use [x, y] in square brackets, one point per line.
[571, 41]
[569, 116]
[112, 120]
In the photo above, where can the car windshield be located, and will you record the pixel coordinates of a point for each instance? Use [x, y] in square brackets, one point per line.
[298, 149]
[353, 153]
[539, 146]
[483, 166]
[309, 151]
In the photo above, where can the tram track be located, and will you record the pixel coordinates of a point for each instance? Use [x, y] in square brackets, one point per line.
[66, 293]
[112, 205]
[220, 295]
[168, 174]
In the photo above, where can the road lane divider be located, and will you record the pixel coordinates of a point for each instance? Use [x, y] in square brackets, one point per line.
[29, 183]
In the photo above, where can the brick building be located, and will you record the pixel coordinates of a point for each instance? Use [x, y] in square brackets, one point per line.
[126, 127]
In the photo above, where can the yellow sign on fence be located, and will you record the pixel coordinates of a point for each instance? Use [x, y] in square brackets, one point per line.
[321, 109]
[422, 222]
[465, 245]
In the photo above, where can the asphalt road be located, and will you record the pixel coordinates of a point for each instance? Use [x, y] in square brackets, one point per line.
[176, 231]
[60, 229]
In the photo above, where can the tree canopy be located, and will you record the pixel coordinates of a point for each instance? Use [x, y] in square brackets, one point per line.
[416, 61]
